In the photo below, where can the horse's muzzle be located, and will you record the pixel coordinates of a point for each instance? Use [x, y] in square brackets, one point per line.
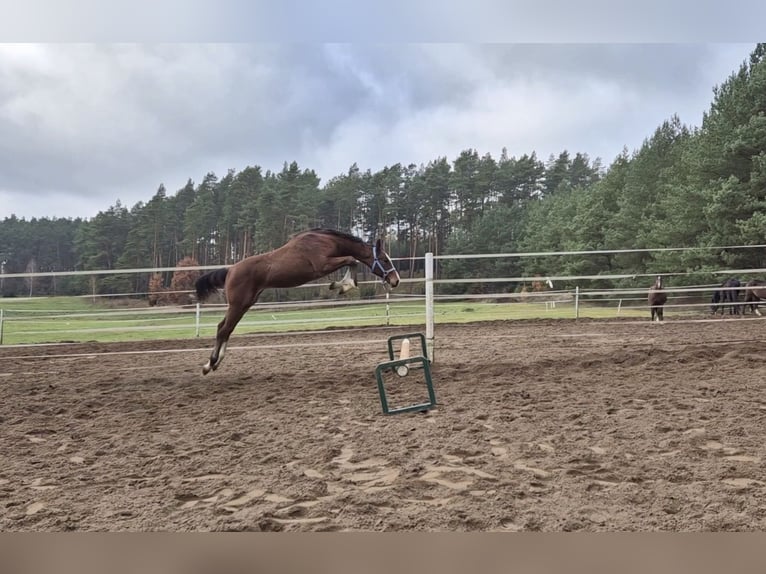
[392, 279]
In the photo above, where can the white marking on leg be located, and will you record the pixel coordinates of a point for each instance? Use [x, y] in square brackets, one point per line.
[347, 283]
[221, 353]
[757, 312]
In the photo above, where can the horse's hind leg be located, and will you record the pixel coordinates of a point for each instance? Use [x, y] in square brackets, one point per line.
[752, 300]
[749, 303]
[233, 314]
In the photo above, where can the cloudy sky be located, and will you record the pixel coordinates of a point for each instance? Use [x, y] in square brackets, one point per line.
[84, 125]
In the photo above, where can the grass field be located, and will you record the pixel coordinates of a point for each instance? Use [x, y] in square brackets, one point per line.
[76, 319]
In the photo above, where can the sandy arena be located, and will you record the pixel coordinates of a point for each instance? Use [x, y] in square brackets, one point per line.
[541, 425]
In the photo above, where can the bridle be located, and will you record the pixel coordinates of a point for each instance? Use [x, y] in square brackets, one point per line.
[376, 263]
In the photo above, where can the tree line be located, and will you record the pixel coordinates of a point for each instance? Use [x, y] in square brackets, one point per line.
[685, 186]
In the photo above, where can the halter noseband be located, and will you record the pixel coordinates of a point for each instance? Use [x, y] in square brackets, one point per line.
[376, 263]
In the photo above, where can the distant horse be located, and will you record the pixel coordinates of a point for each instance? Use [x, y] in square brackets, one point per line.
[755, 290]
[728, 295]
[657, 298]
[307, 256]
[540, 285]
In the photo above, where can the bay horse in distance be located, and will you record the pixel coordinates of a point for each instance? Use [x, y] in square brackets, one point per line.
[657, 299]
[755, 291]
[727, 296]
[306, 256]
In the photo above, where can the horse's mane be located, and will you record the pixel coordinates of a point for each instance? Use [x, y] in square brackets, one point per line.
[336, 233]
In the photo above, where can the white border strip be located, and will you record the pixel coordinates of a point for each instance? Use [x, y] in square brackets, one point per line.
[348, 343]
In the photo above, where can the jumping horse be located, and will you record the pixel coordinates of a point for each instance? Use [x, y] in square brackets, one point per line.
[657, 298]
[306, 256]
[727, 295]
[755, 291]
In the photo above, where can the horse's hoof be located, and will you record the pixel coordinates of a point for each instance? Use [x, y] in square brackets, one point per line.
[345, 286]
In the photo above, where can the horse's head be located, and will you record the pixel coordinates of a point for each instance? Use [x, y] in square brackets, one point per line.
[382, 265]
[657, 282]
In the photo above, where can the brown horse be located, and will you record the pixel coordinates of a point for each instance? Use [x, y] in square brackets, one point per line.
[755, 291]
[657, 298]
[307, 256]
[728, 295]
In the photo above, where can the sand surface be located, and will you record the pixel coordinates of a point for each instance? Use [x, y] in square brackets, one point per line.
[540, 425]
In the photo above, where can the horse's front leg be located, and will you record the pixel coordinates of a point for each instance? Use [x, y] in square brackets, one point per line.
[349, 279]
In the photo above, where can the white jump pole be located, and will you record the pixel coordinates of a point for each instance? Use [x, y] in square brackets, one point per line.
[430, 306]
[1, 326]
[196, 321]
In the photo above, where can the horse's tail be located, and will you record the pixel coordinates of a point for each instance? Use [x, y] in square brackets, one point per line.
[209, 282]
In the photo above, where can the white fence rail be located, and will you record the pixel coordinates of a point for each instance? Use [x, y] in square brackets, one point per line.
[193, 320]
[399, 308]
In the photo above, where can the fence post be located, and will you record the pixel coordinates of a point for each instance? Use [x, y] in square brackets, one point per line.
[1, 326]
[577, 302]
[196, 321]
[430, 305]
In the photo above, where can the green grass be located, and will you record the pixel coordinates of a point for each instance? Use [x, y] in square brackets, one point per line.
[462, 312]
[76, 319]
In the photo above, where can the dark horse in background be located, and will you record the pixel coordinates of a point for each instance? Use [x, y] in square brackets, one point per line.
[657, 299]
[307, 256]
[755, 291]
[727, 296]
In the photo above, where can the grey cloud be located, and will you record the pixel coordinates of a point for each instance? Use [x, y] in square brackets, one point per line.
[439, 72]
[94, 123]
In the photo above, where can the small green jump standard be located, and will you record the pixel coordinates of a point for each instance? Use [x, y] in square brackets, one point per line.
[402, 368]
[424, 351]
